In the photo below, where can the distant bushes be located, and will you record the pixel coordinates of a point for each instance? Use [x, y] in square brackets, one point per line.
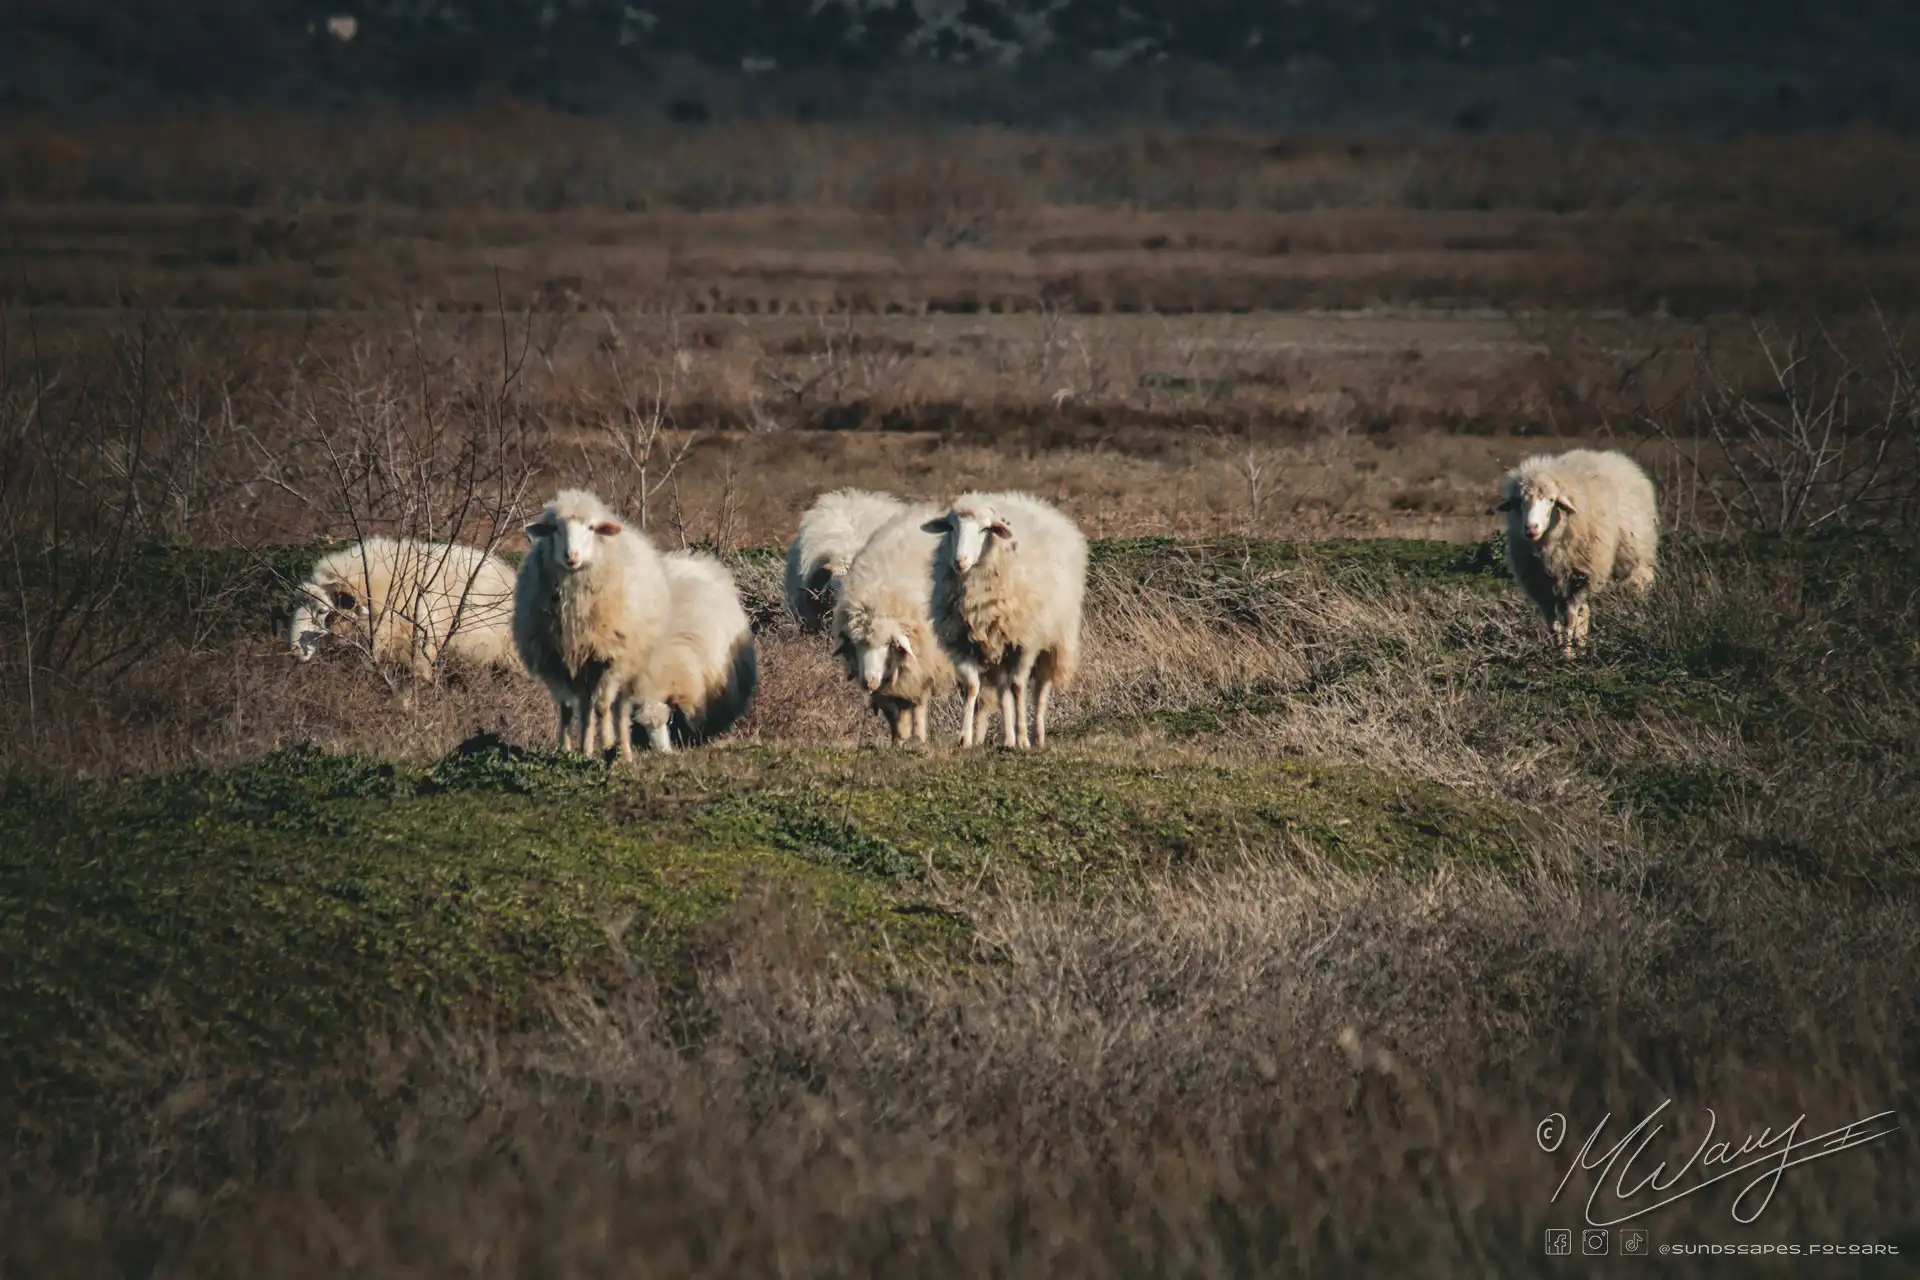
[507, 154]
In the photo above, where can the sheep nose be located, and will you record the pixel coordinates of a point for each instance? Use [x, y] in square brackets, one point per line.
[873, 684]
[573, 560]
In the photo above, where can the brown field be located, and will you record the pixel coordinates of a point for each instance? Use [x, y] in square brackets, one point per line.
[453, 211]
[1333, 883]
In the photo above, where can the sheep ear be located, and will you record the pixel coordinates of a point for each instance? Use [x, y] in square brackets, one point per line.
[608, 528]
[1508, 504]
[940, 525]
[903, 644]
[999, 529]
[1564, 505]
[540, 529]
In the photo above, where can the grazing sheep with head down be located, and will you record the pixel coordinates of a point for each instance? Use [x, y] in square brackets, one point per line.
[590, 604]
[409, 601]
[704, 671]
[1009, 579]
[1577, 523]
[831, 532]
[883, 631]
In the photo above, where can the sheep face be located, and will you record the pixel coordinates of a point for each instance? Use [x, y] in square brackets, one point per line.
[323, 612]
[574, 539]
[1539, 508]
[875, 664]
[972, 532]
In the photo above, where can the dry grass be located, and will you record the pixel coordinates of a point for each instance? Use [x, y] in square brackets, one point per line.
[1193, 426]
[1278, 1069]
[1272, 1062]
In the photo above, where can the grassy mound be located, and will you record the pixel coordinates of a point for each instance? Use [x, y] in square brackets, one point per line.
[306, 894]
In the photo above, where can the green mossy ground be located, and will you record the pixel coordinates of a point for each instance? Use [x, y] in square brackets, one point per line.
[306, 894]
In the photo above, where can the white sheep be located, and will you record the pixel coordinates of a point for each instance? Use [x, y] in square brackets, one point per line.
[882, 624]
[590, 606]
[704, 668]
[831, 531]
[1576, 524]
[409, 601]
[1009, 579]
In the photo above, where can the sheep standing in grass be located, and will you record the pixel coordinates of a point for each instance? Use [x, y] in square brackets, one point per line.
[704, 670]
[1576, 524]
[1009, 578]
[409, 601]
[590, 606]
[833, 529]
[883, 631]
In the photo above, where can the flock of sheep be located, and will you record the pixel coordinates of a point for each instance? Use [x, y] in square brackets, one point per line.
[920, 601]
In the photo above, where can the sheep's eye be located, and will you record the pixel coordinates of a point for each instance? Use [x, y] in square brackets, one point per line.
[344, 600]
[542, 529]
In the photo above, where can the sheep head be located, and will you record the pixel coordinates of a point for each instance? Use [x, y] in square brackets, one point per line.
[972, 529]
[572, 527]
[874, 661]
[324, 610]
[1538, 503]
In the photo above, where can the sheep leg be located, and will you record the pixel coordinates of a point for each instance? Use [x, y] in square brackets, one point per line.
[1040, 713]
[1580, 619]
[967, 711]
[587, 723]
[1009, 715]
[565, 706]
[1560, 620]
[623, 725]
[605, 735]
[583, 725]
[1022, 684]
[920, 721]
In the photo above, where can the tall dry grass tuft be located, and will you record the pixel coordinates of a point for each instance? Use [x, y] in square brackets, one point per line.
[1282, 1068]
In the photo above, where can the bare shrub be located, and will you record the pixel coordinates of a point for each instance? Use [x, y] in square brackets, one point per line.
[639, 424]
[105, 453]
[1832, 439]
